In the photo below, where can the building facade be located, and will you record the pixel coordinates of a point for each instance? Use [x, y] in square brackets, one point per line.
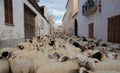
[52, 23]
[59, 30]
[20, 20]
[69, 20]
[100, 19]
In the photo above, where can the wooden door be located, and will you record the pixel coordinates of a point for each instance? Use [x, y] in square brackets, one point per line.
[29, 22]
[114, 29]
[91, 30]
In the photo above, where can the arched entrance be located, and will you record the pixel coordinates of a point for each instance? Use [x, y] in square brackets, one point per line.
[75, 27]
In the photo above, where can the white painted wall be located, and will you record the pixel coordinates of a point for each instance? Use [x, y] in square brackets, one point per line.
[109, 8]
[69, 18]
[47, 28]
[17, 31]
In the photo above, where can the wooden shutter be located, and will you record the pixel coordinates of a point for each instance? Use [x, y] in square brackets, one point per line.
[8, 12]
[91, 30]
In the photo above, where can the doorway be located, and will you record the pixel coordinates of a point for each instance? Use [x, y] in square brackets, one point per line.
[75, 27]
[29, 22]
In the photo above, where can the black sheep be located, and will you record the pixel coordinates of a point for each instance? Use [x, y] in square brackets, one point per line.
[97, 55]
[104, 45]
[79, 46]
[52, 43]
[84, 39]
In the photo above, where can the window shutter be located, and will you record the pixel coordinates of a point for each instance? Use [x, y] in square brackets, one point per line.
[8, 12]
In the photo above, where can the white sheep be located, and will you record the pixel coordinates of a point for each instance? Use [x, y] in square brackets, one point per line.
[112, 55]
[72, 50]
[82, 58]
[20, 65]
[104, 72]
[106, 65]
[90, 64]
[28, 54]
[59, 67]
[40, 61]
[88, 53]
[24, 45]
[4, 66]
[109, 64]
[7, 49]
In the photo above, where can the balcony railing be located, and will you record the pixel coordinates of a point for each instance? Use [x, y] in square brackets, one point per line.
[89, 7]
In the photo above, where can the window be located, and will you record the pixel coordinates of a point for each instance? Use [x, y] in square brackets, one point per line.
[91, 30]
[8, 12]
[114, 29]
[89, 7]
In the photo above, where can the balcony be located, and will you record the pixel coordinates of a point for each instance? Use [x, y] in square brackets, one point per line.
[89, 7]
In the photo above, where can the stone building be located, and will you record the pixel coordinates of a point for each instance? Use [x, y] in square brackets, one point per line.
[69, 20]
[20, 20]
[100, 19]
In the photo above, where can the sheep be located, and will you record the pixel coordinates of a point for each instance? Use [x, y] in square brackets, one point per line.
[112, 55]
[79, 46]
[62, 51]
[104, 72]
[31, 55]
[39, 62]
[72, 50]
[88, 53]
[7, 49]
[106, 65]
[63, 59]
[109, 64]
[4, 66]
[82, 58]
[0, 57]
[90, 64]
[59, 67]
[20, 65]
[24, 45]
[17, 63]
[83, 70]
[54, 55]
[98, 56]
[28, 54]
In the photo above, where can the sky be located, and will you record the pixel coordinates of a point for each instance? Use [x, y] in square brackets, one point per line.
[55, 8]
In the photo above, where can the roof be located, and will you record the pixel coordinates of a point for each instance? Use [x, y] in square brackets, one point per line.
[64, 16]
[67, 3]
[37, 7]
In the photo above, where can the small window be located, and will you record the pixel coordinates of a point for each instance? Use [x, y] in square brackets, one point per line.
[8, 12]
[91, 30]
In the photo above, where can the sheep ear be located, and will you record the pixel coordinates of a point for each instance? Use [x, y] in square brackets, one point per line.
[5, 54]
[21, 47]
[96, 61]
[0, 57]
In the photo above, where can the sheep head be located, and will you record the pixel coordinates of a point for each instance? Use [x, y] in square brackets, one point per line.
[90, 64]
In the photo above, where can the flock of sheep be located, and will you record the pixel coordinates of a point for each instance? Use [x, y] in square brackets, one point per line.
[61, 55]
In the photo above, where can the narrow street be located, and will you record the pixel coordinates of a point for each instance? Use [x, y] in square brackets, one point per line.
[65, 36]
